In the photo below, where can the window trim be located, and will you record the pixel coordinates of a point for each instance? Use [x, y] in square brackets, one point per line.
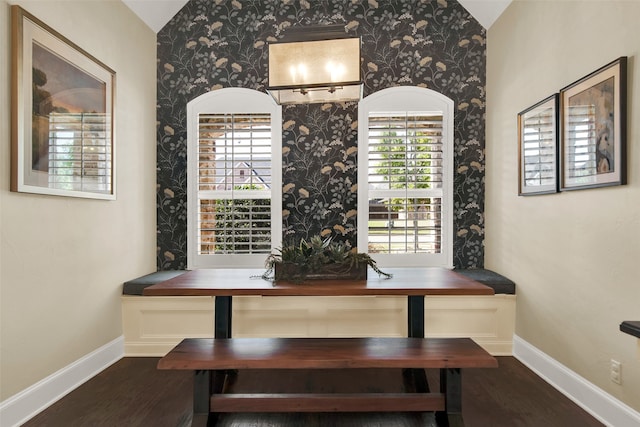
[225, 101]
[408, 99]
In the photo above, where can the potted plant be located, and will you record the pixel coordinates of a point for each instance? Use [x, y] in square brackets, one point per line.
[318, 258]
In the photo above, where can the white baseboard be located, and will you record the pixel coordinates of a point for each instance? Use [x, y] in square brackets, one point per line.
[25, 405]
[601, 405]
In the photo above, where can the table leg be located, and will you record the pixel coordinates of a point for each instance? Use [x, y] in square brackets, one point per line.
[222, 320]
[208, 382]
[415, 319]
[416, 316]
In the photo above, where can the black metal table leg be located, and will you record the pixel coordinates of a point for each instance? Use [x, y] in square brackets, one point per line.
[208, 382]
[415, 319]
[222, 321]
[416, 316]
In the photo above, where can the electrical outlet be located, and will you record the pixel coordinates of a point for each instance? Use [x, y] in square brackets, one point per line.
[616, 371]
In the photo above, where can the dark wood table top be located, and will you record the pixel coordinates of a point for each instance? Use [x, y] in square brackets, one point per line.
[405, 281]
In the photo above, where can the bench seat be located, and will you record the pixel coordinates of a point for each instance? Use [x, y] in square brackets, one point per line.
[217, 361]
[499, 283]
[326, 353]
[137, 285]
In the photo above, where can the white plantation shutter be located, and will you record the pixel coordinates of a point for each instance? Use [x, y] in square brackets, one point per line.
[230, 146]
[234, 179]
[407, 148]
[234, 183]
[405, 178]
[405, 183]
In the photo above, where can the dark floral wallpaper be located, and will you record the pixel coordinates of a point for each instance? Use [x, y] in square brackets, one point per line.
[211, 44]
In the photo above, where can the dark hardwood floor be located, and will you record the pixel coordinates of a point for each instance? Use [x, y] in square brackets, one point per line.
[133, 392]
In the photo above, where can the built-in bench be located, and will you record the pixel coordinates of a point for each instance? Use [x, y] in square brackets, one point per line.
[499, 283]
[632, 327]
[154, 325]
[216, 361]
[137, 285]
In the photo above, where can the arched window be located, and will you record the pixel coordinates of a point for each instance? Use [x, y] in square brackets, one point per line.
[234, 178]
[405, 177]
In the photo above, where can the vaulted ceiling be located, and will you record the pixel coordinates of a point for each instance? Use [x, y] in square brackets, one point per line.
[156, 13]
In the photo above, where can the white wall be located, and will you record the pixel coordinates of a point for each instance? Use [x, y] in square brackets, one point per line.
[63, 260]
[575, 256]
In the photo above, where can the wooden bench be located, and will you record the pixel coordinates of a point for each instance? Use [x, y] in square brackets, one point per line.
[216, 360]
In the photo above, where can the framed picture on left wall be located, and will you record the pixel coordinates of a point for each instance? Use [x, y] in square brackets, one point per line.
[62, 106]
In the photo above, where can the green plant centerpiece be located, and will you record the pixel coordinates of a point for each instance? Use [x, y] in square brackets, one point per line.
[318, 258]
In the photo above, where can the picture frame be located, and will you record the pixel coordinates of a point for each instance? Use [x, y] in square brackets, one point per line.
[62, 108]
[538, 138]
[594, 121]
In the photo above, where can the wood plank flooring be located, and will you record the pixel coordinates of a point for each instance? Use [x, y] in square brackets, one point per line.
[133, 393]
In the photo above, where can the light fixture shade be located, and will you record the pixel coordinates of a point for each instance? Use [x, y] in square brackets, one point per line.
[315, 71]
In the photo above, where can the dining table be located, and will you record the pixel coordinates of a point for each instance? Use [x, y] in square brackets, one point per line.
[226, 283]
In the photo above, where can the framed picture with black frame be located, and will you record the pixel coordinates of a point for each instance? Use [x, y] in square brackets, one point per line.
[538, 148]
[594, 121]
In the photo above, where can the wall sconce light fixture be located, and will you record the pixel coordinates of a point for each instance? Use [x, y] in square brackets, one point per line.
[315, 64]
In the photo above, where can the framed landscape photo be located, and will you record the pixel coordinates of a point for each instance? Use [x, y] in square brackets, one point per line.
[594, 120]
[62, 103]
[538, 148]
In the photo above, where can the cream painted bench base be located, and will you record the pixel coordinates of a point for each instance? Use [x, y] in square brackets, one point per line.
[154, 325]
